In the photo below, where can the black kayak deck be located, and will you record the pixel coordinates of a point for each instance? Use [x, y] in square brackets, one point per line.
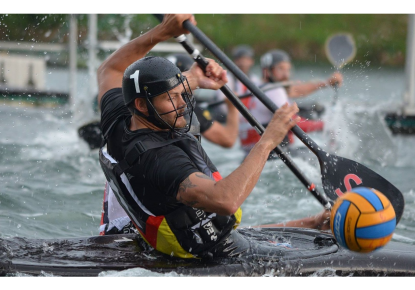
[311, 252]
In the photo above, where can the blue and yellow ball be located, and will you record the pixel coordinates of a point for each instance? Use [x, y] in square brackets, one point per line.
[362, 220]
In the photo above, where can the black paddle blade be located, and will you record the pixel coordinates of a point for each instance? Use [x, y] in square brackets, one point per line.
[92, 134]
[341, 174]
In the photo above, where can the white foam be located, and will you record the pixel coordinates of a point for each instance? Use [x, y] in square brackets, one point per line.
[137, 272]
[401, 238]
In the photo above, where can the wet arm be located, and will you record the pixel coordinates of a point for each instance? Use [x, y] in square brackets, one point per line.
[227, 195]
[224, 196]
[320, 221]
[304, 89]
[110, 72]
[224, 135]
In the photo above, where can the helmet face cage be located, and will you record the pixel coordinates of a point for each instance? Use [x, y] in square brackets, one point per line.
[189, 106]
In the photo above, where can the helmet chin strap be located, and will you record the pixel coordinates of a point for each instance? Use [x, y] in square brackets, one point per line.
[155, 118]
[150, 118]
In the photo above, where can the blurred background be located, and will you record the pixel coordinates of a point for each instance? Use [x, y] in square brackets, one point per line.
[380, 38]
[51, 181]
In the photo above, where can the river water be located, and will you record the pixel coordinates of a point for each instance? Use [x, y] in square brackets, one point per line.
[52, 184]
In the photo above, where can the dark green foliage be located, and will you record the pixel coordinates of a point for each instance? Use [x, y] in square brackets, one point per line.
[380, 39]
[33, 27]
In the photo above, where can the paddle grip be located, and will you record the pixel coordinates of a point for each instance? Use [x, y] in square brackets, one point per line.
[336, 93]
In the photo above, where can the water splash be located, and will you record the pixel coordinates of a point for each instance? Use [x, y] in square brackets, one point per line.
[137, 272]
[125, 36]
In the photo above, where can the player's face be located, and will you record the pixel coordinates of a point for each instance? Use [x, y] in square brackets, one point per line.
[282, 71]
[245, 63]
[168, 103]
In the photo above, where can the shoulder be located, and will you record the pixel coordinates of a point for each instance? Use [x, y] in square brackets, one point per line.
[111, 95]
[202, 114]
[156, 143]
[278, 92]
[204, 118]
[256, 80]
[279, 96]
[170, 152]
[112, 108]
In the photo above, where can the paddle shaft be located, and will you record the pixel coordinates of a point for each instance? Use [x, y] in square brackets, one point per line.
[199, 35]
[249, 117]
[336, 171]
[332, 55]
[336, 93]
[249, 94]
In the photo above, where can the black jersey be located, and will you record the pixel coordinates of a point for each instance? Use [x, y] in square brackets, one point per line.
[163, 169]
[144, 169]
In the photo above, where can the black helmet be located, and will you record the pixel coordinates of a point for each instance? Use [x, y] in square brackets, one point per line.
[182, 60]
[242, 50]
[152, 76]
[274, 57]
[149, 77]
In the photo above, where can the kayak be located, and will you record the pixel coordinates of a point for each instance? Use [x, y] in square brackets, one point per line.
[298, 252]
[400, 124]
[311, 118]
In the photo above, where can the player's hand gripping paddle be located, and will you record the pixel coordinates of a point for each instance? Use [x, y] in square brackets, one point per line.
[338, 174]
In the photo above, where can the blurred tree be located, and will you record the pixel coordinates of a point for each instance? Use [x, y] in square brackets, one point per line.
[380, 38]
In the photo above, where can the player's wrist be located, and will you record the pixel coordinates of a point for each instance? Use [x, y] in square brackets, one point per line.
[192, 79]
[161, 33]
